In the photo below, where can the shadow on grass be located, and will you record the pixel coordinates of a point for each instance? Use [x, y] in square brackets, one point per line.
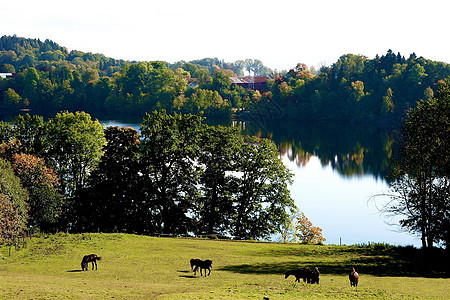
[188, 276]
[382, 262]
[74, 271]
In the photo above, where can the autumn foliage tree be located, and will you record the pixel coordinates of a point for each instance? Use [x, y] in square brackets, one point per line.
[42, 185]
[300, 229]
[308, 233]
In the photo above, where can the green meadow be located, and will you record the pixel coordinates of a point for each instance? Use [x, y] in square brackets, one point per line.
[142, 267]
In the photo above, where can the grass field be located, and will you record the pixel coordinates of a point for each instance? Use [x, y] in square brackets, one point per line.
[141, 267]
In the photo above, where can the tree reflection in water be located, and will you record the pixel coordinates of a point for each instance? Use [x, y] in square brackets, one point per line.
[351, 150]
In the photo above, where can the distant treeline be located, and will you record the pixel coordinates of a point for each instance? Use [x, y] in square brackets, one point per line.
[49, 79]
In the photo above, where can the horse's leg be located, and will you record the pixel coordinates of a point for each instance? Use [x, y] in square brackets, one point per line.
[209, 271]
[95, 261]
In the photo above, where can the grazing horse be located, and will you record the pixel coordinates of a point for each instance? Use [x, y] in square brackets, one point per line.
[304, 273]
[202, 264]
[91, 258]
[353, 276]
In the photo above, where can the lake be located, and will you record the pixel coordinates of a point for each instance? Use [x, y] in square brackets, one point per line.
[337, 169]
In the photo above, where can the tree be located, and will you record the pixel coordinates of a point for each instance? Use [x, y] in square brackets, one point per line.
[261, 191]
[256, 67]
[73, 147]
[306, 232]
[387, 105]
[44, 201]
[169, 150]
[13, 207]
[7, 68]
[29, 130]
[217, 159]
[299, 229]
[112, 201]
[6, 132]
[421, 174]
[12, 97]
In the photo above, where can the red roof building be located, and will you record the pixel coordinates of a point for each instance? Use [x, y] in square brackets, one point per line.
[251, 82]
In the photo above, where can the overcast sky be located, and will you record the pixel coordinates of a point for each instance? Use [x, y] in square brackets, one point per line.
[279, 33]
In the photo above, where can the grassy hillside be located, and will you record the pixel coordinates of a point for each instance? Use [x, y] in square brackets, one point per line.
[140, 267]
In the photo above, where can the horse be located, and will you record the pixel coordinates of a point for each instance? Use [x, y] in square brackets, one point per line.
[353, 276]
[91, 258]
[193, 262]
[304, 273]
[315, 276]
[202, 264]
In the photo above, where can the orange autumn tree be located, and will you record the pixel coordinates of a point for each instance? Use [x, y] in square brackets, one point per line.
[41, 183]
[306, 232]
[299, 229]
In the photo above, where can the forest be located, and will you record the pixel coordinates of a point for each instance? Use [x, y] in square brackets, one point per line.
[48, 79]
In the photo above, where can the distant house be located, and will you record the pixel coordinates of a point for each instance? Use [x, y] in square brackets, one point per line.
[251, 82]
[8, 75]
[192, 82]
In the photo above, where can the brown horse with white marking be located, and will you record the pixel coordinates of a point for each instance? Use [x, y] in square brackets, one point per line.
[354, 277]
[91, 258]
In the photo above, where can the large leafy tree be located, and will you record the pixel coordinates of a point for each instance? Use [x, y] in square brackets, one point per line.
[73, 147]
[111, 202]
[170, 145]
[30, 131]
[421, 174]
[217, 159]
[262, 196]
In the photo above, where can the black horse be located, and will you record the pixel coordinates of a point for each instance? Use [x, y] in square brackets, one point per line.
[202, 264]
[91, 258]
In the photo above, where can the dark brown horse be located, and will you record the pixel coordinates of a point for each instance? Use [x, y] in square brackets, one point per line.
[315, 276]
[91, 258]
[202, 264]
[193, 262]
[304, 274]
[354, 277]
[308, 275]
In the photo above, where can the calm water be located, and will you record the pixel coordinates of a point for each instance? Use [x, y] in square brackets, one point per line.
[337, 168]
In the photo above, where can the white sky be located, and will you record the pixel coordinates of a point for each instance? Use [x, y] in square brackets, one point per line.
[280, 33]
